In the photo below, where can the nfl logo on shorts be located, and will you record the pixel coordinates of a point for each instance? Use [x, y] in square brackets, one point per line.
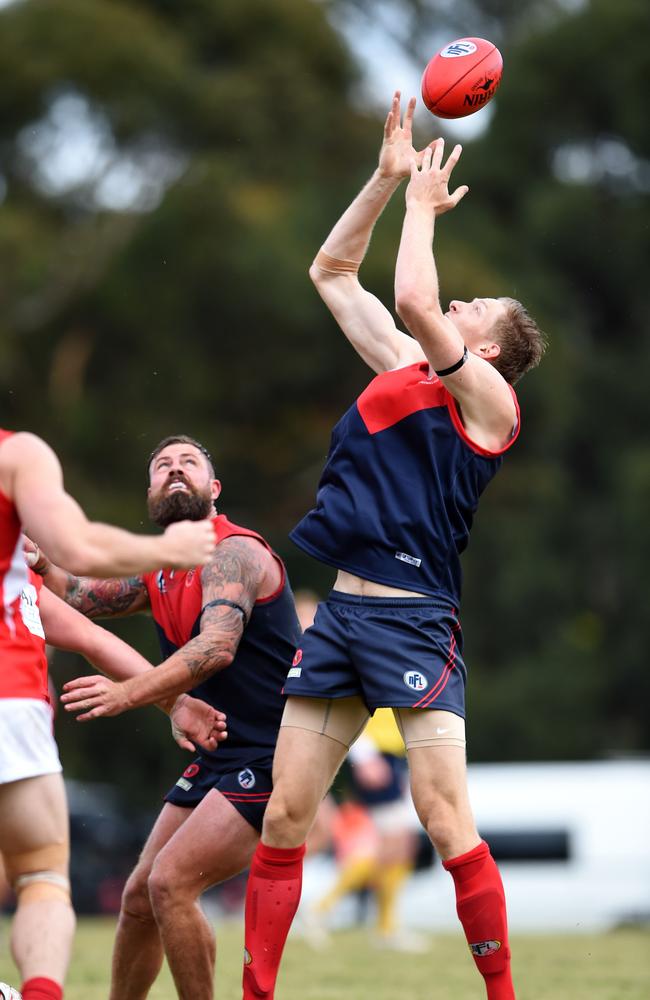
[415, 680]
[246, 778]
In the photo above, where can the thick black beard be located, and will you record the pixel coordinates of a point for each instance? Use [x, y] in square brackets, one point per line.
[172, 507]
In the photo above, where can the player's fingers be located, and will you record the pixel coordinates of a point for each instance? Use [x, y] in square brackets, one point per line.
[392, 118]
[186, 744]
[76, 697]
[427, 157]
[459, 193]
[452, 160]
[408, 117]
[77, 703]
[79, 682]
[437, 151]
[94, 713]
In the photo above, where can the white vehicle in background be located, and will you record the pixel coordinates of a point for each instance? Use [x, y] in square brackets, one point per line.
[572, 841]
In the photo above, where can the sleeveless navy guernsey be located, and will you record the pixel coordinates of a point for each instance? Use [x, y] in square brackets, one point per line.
[249, 691]
[400, 487]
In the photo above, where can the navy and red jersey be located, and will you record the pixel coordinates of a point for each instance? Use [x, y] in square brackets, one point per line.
[400, 487]
[249, 691]
[23, 665]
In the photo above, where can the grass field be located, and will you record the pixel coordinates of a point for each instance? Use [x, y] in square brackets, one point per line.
[613, 966]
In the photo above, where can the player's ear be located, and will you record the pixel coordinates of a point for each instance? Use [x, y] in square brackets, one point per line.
[490, 351]
[215, 489]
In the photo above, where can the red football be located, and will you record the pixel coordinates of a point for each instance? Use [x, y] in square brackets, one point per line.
[462, 77]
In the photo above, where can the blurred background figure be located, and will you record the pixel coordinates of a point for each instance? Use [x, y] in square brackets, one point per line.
[380, 779]
[373, 833]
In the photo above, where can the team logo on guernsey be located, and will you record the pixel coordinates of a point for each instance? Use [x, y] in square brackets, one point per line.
[189, 578]
[297, 658]
[483, 948]
[189, 772]
[160, 581]
[246, 778]
[415, 681]
[406, 558]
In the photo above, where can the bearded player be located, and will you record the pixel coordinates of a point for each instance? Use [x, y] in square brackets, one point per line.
[228, 631]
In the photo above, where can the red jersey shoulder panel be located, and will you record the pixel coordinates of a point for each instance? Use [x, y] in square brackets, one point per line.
[454, 413]
[176, 596]
[394, 395]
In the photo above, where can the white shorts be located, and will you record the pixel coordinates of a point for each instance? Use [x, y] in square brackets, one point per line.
[390, 817]
[27, 745]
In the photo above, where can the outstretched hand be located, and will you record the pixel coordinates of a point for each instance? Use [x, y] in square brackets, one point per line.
[194, 721]
[429, 185]
[95, 696]
[397, 153]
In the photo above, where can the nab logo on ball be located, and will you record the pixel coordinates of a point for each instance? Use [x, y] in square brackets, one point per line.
[462, 77]
[415, 680]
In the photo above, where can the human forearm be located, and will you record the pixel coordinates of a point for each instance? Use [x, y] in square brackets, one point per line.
[94, 598]
[350, 237]
[416, 275]
[184, 670]
[119, 661]
[101, 550]
[417, 291]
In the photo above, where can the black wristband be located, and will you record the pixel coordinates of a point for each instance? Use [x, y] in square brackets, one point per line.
[228, 604]
[454, 368]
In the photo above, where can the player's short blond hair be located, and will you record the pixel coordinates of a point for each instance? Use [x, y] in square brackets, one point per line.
[521, 341]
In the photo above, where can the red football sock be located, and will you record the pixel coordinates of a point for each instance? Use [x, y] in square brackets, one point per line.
[272, 898]
[481, 908]
[40, 988]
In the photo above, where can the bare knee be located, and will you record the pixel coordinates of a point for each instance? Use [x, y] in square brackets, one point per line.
[448, 823]
[165, 890]
[287, 819]
[135, 898]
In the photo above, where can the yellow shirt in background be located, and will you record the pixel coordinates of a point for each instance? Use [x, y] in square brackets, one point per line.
[382, 730]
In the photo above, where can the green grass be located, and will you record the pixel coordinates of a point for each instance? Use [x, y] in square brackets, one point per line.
[613, 966]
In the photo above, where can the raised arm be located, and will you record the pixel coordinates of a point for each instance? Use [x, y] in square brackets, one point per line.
[31, 476]
[93, 597]
[366, 323]
[241, 570]
[458, 347]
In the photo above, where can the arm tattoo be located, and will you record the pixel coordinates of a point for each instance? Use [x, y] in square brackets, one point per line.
[106, 598]
[214, 647]
[234, 574]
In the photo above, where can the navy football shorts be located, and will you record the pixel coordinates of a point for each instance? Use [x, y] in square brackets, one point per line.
[248, 786]
[395, 652]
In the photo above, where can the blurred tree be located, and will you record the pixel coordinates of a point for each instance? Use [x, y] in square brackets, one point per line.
[167, 172]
